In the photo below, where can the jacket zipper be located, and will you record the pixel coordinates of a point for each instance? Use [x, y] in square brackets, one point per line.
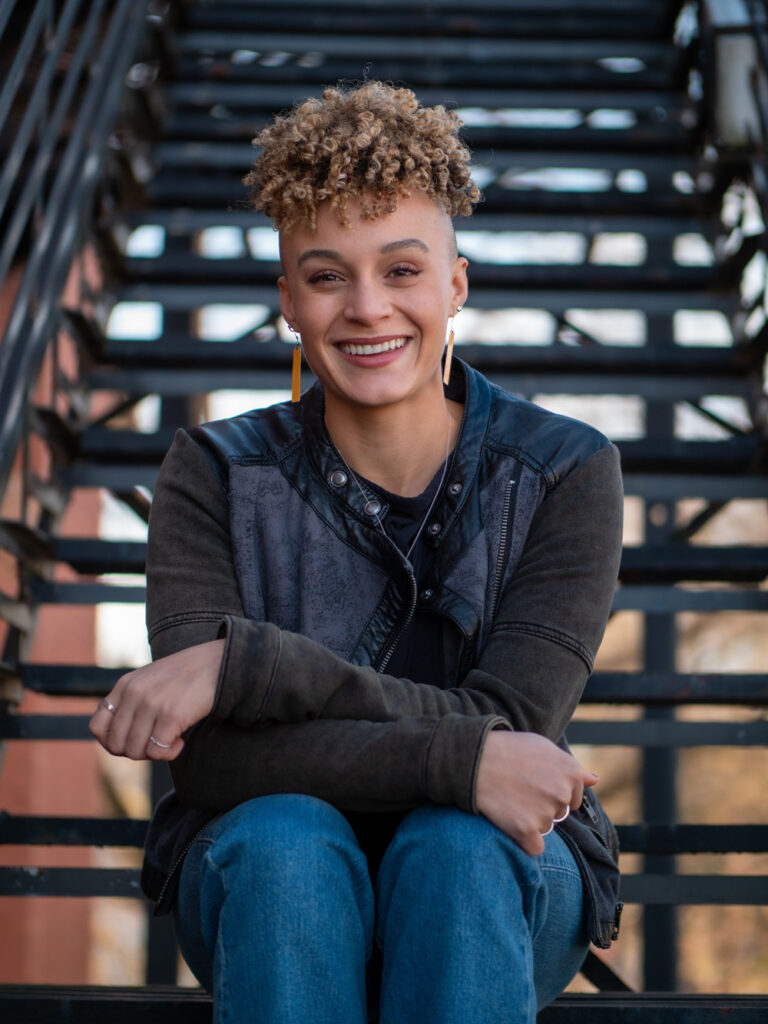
[502, 557]
[384, 660]
[177, 864]
[585, 803]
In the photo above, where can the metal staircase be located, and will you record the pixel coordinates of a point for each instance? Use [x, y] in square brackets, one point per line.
[612, 260]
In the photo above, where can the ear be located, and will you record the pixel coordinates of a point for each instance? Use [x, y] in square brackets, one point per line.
[286, 303]
[459, 283]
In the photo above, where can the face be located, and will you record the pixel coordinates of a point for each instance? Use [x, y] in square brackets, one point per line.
[372, 300]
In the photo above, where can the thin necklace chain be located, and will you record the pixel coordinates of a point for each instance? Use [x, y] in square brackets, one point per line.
[377, 517]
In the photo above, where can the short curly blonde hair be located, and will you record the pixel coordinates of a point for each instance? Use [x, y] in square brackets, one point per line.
[372, 143]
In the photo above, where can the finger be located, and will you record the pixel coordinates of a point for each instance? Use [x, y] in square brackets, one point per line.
[109, 711]
[100, 722]
[587, 778]
[159, 750]
[144, 723]
[534, 844]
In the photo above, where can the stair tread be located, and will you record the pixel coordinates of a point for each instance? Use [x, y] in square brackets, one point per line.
[190, 267]
[184, 221]
[659, 137]
[638, 687]
[180, 296]
[72, 830]
[743, 562]
[659, 106]
[662, 357]
[648, 563]
[667, 70]
[526, 20]
[457, 47]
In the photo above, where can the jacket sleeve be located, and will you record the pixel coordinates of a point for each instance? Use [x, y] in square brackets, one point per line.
[291, 716]
[533, 669]
[357, 765]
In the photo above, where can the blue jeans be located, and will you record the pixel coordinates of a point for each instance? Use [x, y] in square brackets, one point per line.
[277, 916]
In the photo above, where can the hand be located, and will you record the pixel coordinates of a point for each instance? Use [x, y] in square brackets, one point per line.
[159, 702]
[524, 782]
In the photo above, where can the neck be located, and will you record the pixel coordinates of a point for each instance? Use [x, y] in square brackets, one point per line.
[400, 449]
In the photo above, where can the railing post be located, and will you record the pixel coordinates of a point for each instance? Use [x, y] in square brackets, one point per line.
[659, 764]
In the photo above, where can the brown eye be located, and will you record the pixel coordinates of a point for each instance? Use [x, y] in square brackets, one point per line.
[322, 276]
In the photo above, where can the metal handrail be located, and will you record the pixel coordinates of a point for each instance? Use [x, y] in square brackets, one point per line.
[743, 160]
[104, 43]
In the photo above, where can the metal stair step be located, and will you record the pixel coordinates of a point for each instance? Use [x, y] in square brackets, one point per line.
[562, 22]
[594, 182]
[670, 563]
[39, 830]
[661, 70]
[173, 195]
[661, 563]
[648, 688]
[652, 119]
[168, 1005]
[93, 557]
[669, 688]
[730, 455]
[663, 358]
[668, 104]
[642, 687]
[673, 485]
[640, 732]
[179, 296]
[190, 267]
[386, 40]
[168, 191]
[649, 130]
[455, 60]
[181, 222]
[69, 680]
[202, 380]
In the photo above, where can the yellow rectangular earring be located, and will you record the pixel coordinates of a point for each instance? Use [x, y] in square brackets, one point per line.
[449, 351]
[296, 373]
[296, 365]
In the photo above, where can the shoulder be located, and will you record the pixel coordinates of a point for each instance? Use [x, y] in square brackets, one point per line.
[549, 443]
[256, 436]
[252, 433]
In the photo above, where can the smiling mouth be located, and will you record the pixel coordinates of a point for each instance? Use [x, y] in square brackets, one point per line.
[373, 349]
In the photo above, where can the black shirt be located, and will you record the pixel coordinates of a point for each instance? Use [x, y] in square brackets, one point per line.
[420, 653]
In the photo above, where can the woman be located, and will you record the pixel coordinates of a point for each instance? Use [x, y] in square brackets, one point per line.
[373, 613]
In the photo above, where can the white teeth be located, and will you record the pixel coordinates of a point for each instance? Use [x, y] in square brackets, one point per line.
[373, 350]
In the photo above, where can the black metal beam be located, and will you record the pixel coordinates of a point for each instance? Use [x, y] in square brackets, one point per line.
[637, 733]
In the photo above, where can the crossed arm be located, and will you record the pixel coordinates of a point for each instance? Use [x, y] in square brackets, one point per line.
[271, 711]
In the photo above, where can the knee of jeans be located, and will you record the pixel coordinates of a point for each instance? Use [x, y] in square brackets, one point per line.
[448, 840]
[286, 836]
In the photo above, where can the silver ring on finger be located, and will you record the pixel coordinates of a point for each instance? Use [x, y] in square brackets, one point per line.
[548, 830]
[567, 812]
[108, 706]
[165, 746]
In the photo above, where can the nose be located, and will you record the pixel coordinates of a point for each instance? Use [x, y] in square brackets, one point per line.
[367, 301]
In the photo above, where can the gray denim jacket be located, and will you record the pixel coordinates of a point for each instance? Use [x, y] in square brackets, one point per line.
[258, 535]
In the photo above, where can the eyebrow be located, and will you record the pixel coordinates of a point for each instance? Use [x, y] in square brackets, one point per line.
[331, 254]
[405, 243]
